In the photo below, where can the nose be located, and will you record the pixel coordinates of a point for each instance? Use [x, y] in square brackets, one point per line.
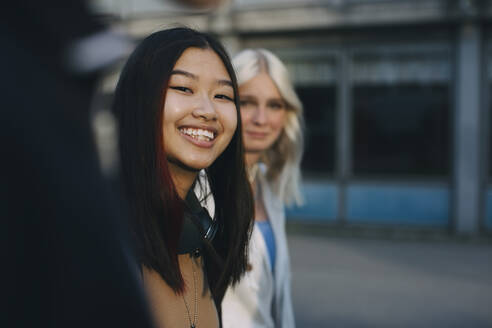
[260, 115]
[205, 109]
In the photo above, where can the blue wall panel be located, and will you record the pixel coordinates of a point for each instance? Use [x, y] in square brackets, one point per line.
[421, 205]
[320, 203]
[488, 210]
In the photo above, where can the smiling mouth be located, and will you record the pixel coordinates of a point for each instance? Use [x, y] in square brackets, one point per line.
[199, 134]
[257, 135]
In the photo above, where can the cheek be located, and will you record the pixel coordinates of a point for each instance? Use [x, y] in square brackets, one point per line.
[229, 121]
[246, 116]
[233, 122]
[278, 120]
[174, 109]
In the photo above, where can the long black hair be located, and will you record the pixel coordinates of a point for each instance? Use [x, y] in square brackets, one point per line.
[157, 208]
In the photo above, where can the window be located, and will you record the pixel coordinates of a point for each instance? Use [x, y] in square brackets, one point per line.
[401, 115]
[315, 86]
[319, 114]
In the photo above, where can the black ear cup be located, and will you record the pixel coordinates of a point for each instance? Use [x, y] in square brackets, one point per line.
[209, 226]
[200, 217]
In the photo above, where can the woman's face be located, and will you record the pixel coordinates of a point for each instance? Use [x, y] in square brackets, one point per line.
[200, 116]
[263, 113]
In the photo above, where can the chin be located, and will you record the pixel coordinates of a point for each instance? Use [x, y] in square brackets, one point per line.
[193, 166]
[198, 165]
[257, 146]
[255, 149]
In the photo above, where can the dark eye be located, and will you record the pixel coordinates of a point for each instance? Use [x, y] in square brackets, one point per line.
[245, 103]
[225, 97]
[276, 105]
[182, 89]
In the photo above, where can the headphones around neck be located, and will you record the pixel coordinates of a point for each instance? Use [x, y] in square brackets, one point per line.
[207, 225]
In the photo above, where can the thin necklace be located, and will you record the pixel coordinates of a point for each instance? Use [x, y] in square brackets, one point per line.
[195, 316]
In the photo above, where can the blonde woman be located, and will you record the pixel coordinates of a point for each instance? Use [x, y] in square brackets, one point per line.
[271, 116]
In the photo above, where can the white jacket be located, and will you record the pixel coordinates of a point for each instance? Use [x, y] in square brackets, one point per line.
[249, 303]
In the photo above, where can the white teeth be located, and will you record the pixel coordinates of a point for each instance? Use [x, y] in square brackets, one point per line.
[203, 138]
[199, 134]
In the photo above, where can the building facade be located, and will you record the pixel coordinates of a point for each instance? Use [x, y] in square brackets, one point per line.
[396, 95]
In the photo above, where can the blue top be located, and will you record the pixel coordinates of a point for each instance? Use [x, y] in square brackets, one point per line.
[267, 232]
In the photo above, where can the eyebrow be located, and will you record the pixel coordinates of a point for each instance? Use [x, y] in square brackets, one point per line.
[253, 97]
[194, 77]
[276, 99]
[225, 82]
[185, 73]
[247, 96]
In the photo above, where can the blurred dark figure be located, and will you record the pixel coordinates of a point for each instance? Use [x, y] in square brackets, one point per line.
[66, 256]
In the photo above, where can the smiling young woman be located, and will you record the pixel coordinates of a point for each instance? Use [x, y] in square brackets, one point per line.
[200, 116]
[177, 106]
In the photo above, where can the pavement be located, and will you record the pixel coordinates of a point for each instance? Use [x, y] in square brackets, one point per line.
[360, 282]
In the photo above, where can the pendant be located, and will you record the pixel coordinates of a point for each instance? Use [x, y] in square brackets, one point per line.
[192, 326]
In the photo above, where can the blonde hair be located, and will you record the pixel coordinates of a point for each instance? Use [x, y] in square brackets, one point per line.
[283, 159]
